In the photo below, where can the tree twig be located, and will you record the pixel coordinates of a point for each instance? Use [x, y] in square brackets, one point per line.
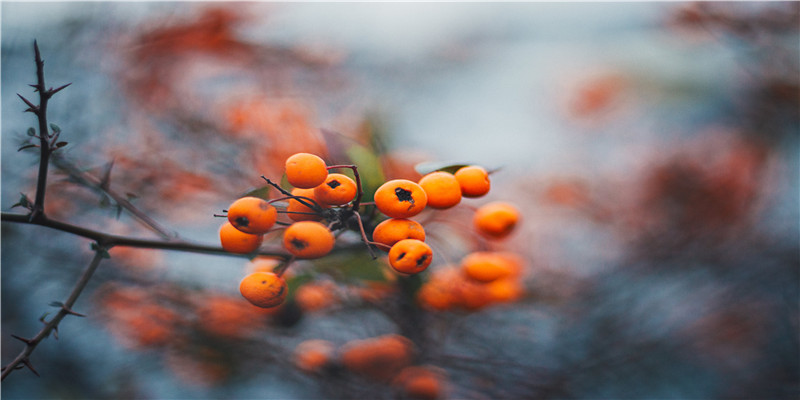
[66, 309]
[95, 183]
[44, 143]
[109, 240]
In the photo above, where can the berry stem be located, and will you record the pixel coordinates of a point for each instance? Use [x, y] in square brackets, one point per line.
[279, 270]
[301, 199]
[364, 235]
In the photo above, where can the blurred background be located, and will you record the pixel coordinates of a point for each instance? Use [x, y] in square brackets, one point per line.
[652, 149]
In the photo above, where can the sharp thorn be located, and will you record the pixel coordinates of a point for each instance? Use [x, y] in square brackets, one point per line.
[36, 51]
[30, 367]
[70, 312]
[58, 89]
[31, 105]
[105, 181]
[22, 339]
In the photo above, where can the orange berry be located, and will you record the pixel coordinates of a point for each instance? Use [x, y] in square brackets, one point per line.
[308, 239]
[236, 241]
[486, 266]
[313, 355]
[379, 358]
[298, 211]
[472, 295]
[337, 189]
[497, 219]
[514, 260]
[228, 316]
[394, 230]
[421, 382]
[315, 296]
[505, 290]
[264, 289]
[474, 181]
[439, 292]
[400, 198]
[442, 189]
[305, 170]
[252, 215]
[410, 256]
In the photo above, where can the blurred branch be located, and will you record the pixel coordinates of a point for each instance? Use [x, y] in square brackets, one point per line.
[65, 309]
[103, 185]
[109, 240]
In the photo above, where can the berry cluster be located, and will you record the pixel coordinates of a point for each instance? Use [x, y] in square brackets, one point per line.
[335, 198]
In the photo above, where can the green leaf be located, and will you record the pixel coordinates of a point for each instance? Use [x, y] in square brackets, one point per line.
[262, 193]
[60, 145]
[352, 266]
[31, 131]
[410, 284]
[57, 304]
[428, 167]
[100, 250]
[369, 169]
[55, 128]
[295, 282]
[27, 146]
[105, 201]
[42, 318]
[24, 202]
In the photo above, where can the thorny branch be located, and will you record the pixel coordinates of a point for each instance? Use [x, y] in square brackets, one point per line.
[109, 240]
[103, 185]
[103, 241]
[66, 309]
[44, 135]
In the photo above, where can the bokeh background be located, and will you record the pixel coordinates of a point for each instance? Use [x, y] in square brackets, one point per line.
[651, 147]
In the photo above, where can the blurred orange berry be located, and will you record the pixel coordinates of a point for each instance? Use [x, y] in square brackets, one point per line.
[144, 325]
[421, 382]
[229, 317]
[472, 295]
[505, 290]
[439, 292]
[315, 296]
[497, 219]
[486, 266]
[313, 356]
[204, 368]
[380, 358]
